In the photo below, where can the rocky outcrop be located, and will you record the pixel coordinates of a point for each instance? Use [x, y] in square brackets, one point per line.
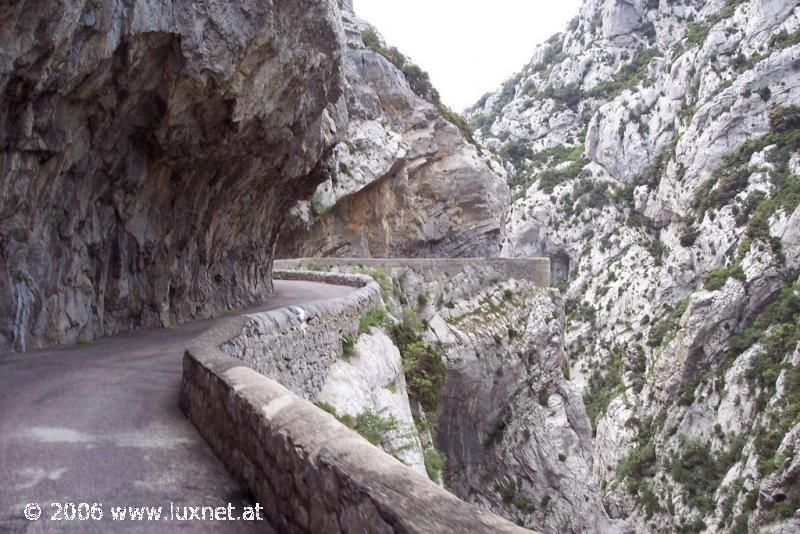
[149, 152]
[652, 154]
[406, 182]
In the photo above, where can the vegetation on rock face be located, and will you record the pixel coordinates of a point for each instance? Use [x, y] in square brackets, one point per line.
[700, 472]
[561, 165]
[716, 279]
[777, 325]
[663, 331]
[420, 83]
[422, 362]
[348, 346]
[435, 460]
[629, 76]
[731, 178]
[377, 317]
[604, 386]
[756, 186]
[380, 275]
[388, 433]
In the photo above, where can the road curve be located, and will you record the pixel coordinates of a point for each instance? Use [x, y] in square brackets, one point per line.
[100, 423]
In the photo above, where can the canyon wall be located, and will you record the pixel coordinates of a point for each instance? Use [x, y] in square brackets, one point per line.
[149, 152]
[652, 152]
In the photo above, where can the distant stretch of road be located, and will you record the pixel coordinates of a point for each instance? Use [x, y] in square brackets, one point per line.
[100, 423]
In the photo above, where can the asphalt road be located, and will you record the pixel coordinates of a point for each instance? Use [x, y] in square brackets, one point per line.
[100, 423]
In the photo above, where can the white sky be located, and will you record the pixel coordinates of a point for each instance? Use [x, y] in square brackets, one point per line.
[469, 47]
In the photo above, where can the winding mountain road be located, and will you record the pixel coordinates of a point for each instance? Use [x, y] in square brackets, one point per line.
[100, 423]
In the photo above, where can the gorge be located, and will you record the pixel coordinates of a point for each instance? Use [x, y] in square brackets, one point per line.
[158, 158]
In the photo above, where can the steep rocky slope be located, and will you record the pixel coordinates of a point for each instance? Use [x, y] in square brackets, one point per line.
[653, 151]
[149, 152]
[406, 182]
[482, 360]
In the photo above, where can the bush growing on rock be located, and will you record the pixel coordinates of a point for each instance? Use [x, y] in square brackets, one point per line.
[716, 279]
[376, 317]
[423, 364]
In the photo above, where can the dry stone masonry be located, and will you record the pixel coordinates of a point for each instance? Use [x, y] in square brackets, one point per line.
[295, 346]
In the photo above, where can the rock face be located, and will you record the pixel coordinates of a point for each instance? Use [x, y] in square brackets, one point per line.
[149, 152]
[652, 150]
[512, 428]
[515, 432]
[406, 182]
[372, 385]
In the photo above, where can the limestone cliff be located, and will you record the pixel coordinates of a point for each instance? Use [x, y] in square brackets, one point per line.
[407, 183]
[149, 152]
[652, 150]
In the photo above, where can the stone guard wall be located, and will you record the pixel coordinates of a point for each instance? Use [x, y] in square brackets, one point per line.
[536, 270]
[296, 345]
[311, 473]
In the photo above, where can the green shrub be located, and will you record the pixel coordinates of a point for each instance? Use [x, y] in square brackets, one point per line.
[732, 177]
[689, 236]
[377, 317]
[780, 422]
[700, 472]
[544, 398]
[782, 312]
[716, 279]
[637, 465]
[435, 462]
[381, 277]
[526, 507]
[423, 364]
[696, 33]
[627, 77]
[728, 10]
[550, 158]
[425, 373]
[509, 492]
[566, 96]
[458, 121]
[663, 331]
[516, 152]
[390, 434]
[370, 38]
[784, 39]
